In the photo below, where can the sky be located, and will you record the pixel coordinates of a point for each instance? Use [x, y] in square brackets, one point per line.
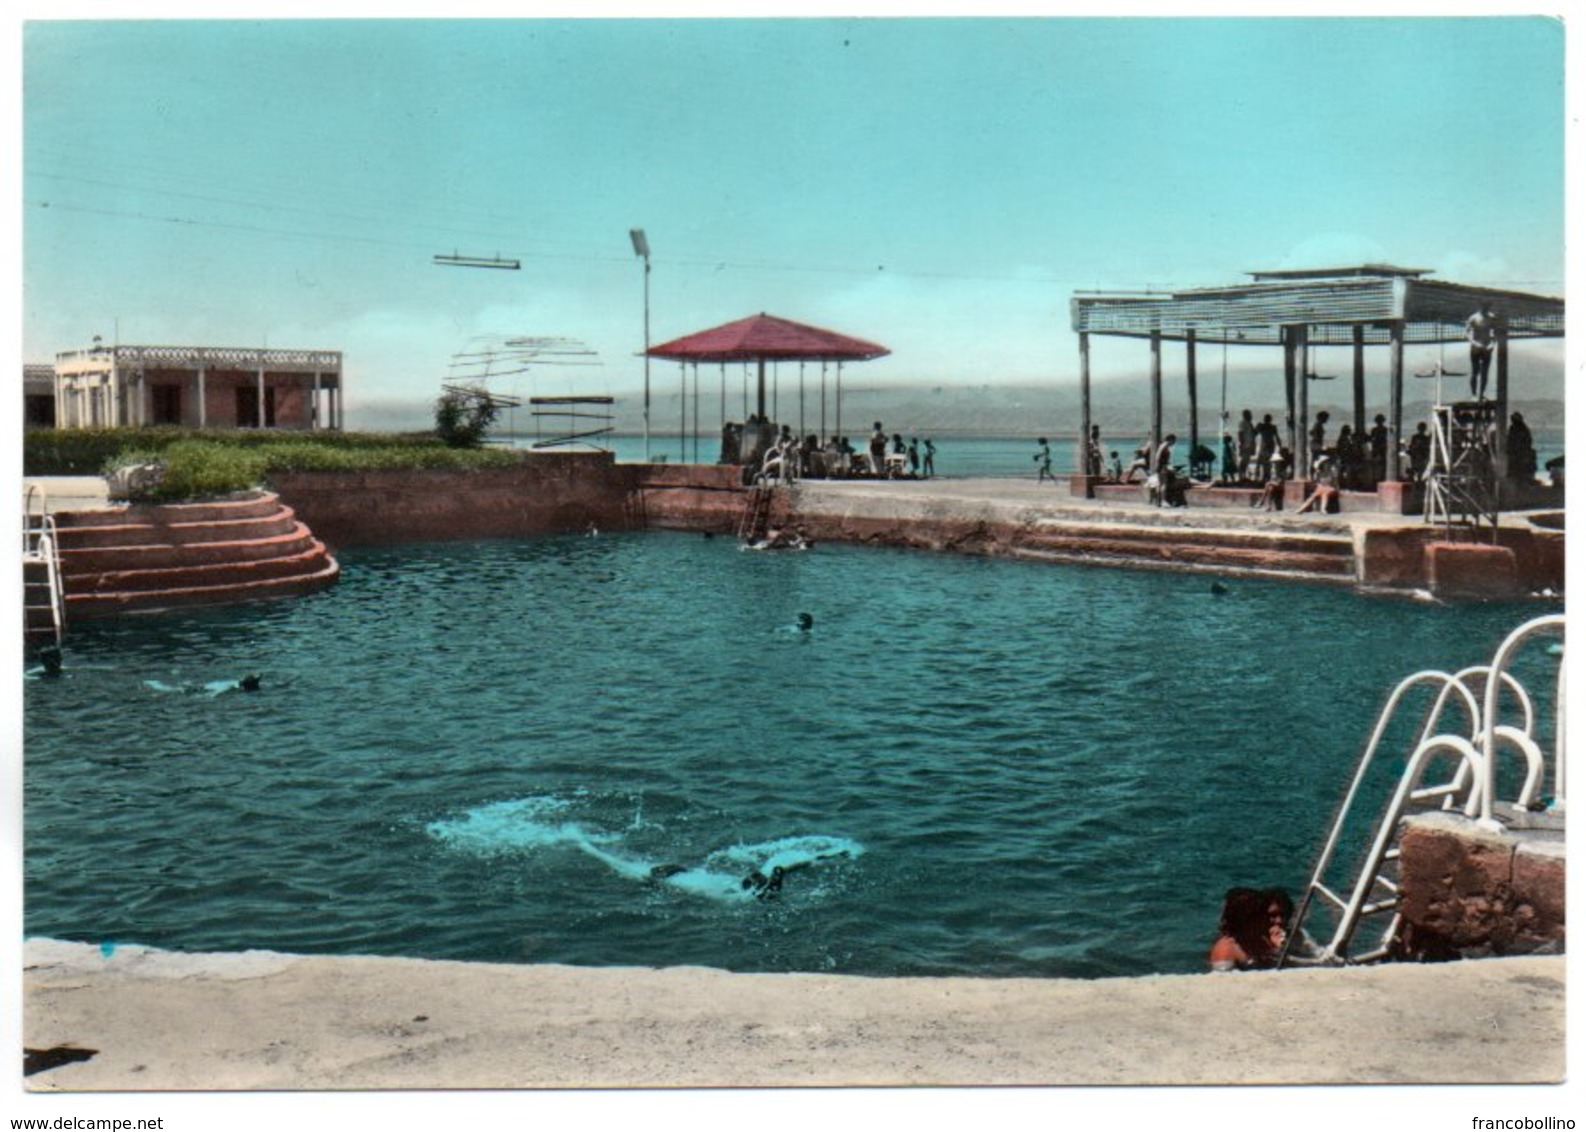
[942, 186]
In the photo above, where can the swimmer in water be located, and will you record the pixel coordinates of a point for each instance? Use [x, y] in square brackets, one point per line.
[49, 666]
[806, 622]
[249, 683]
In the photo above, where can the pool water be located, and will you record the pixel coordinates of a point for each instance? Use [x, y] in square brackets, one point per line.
[579, 750]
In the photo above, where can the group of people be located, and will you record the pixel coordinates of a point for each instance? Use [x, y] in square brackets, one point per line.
[787, 458]
[1152, 465]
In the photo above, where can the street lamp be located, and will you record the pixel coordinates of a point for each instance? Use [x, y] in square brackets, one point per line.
[641, 248]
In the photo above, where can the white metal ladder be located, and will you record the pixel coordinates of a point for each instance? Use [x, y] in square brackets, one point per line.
[1373, 892]
[44, 604]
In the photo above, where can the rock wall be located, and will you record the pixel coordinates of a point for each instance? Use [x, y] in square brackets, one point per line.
[1468, 892]
[546, 493]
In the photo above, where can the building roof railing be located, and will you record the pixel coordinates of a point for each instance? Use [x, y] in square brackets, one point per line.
[101, 359]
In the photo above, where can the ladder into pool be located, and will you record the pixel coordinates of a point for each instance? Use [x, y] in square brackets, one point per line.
[43, 600]
[1473, 743]
[756, 518]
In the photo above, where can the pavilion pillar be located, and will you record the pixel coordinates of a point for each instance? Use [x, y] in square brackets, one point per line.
[682, 411]
[203, 398]
[760, 392]
[313, 405]
[1359, 333]
[1084, 402]
[839, 395]
[1156, 392]
[1194, 403]
[1289, 367]
[824, 434]
[1302, 398]
[696, 412]
[1395, 396]
[260, 385]
[1501, 404]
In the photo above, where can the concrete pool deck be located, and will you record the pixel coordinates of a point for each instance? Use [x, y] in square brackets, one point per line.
[164, 1021]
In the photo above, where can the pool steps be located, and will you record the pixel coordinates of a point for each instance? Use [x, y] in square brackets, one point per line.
[146, 558]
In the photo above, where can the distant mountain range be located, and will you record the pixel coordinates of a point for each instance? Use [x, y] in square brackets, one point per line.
[1121, 406]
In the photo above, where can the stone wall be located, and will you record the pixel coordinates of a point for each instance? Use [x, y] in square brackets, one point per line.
[1470, 892]
[547, 493]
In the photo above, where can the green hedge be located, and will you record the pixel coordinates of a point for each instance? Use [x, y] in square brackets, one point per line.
[208, 462]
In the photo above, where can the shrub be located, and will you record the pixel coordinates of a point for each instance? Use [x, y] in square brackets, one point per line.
[463, 414]
[198, 469]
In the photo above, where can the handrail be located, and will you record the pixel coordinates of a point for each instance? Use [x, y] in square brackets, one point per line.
[1472, 787]
[41, 544]
[1389, 828]
[1500, 661]
[1449, 685]
[1558, 737]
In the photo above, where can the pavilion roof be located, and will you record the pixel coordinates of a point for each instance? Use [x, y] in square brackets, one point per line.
[1334, 303]
[765, 336]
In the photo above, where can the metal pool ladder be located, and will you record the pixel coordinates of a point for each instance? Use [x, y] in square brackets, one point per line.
[1475, 740]
[44, 604]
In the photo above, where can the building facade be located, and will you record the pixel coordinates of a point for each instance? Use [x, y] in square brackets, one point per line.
[38, 395]
[199, 387]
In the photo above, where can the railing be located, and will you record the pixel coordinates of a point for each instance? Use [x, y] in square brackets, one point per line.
[1472, 789]
[41, 547]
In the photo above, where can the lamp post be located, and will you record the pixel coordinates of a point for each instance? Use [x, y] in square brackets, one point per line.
[641, 248]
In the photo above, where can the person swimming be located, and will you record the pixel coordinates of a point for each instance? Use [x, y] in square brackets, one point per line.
[49, 665]
[249, 683]
[806, 622]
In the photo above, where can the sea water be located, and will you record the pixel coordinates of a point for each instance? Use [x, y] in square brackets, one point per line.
[586, 750]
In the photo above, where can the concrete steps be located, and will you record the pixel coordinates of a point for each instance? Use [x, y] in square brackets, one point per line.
[146, 558]
[1270, 552]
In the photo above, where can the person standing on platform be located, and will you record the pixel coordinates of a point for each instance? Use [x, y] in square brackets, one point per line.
[1095, 454]
[1319, 436]
[1419, 449]
[930, 457]
[1043, 461]
[1481, 331]
[1247, 442]
[1378, 439]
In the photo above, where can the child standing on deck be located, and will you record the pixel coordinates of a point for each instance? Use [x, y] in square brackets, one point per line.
[1043, 460]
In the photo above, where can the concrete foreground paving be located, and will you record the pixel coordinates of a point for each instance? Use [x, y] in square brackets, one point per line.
[263, 1020]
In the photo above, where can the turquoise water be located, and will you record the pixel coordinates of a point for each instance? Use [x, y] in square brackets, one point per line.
[575, 750]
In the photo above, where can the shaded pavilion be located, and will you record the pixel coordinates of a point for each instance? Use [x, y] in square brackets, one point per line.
[1371, 305]
[764, 337]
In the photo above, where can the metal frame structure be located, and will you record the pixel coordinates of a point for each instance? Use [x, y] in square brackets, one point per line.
[1361, 306]
[1475, 740]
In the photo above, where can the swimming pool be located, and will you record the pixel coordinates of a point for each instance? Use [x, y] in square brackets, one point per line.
[576, 750]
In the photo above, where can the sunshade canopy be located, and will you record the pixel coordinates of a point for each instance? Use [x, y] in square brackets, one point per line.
[763, 337]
